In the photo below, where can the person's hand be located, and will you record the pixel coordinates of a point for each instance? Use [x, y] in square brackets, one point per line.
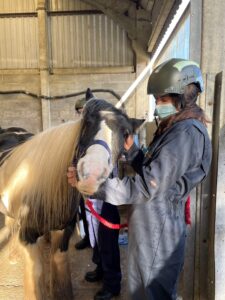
[86, 186]
[128, 142]
[71, 175]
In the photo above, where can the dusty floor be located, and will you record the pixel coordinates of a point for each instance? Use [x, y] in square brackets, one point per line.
[81, 263]
[11, 275]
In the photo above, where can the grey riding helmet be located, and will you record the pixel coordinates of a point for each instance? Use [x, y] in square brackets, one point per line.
[172, 76]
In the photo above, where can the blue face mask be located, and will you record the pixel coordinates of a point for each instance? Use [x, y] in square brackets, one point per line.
[165, 110]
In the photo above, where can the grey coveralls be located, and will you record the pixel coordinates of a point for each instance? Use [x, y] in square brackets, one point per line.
[176, 162]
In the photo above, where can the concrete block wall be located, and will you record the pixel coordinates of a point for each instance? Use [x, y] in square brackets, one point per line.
[67, 84]
[25, 111]
[18, 109]
[142, 100]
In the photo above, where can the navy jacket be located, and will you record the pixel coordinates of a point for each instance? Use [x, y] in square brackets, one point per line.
[176, 162]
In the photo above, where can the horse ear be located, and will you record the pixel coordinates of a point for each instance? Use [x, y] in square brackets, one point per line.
[136, 123]
[89, 94]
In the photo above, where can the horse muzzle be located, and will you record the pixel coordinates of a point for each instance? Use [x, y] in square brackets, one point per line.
[89, 182]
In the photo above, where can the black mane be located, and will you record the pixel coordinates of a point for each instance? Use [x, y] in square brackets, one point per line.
[10, 138]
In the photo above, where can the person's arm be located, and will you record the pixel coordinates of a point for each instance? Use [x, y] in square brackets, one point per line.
[171, 162]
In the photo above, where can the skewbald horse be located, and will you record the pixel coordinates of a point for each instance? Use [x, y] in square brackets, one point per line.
[41, 206]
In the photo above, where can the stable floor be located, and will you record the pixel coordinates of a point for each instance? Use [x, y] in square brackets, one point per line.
[11, 275]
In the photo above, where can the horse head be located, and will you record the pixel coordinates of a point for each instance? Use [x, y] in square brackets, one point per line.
[103, 131]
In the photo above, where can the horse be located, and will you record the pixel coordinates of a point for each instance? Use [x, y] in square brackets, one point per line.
[34, 220]
[39, 201]
[10, 138]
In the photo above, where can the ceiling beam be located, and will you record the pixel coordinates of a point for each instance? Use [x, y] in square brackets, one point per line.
[160, 13]
[147, 4]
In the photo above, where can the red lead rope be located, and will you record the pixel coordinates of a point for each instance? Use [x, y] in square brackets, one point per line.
[101, 219]
[188, 211]
[119, 226]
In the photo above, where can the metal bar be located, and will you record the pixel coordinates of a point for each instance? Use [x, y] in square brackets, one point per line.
[214, 171]
[74, 12]
[93, 70]
[19, 14]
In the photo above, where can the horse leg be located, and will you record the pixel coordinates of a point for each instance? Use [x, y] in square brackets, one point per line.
[13, 246]
[34, 281]
[61, 285]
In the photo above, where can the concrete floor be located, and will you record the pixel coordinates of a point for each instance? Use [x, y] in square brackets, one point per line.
[81, 263]
[11, 275]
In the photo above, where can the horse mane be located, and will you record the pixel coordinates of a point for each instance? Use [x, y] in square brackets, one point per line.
[34, 176]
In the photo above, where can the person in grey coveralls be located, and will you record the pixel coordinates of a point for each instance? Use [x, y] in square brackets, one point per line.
[177, 160]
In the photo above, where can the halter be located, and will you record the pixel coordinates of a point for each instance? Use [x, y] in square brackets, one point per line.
[94, 142]
[105, 145]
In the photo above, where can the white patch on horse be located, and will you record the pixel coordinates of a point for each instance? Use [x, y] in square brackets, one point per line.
[105, 134]
[20, 132]
[5, 199]
[15, 183]
[96, 166]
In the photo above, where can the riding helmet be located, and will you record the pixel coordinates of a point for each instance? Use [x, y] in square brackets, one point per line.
[172, 76]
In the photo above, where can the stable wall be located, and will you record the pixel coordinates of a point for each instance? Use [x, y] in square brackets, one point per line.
[69, 46]
[67, 84]
[213, 49]
[208, 47]
[18, 109]
[25, 111]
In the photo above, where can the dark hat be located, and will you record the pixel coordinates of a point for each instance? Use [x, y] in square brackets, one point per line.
[80, 103]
